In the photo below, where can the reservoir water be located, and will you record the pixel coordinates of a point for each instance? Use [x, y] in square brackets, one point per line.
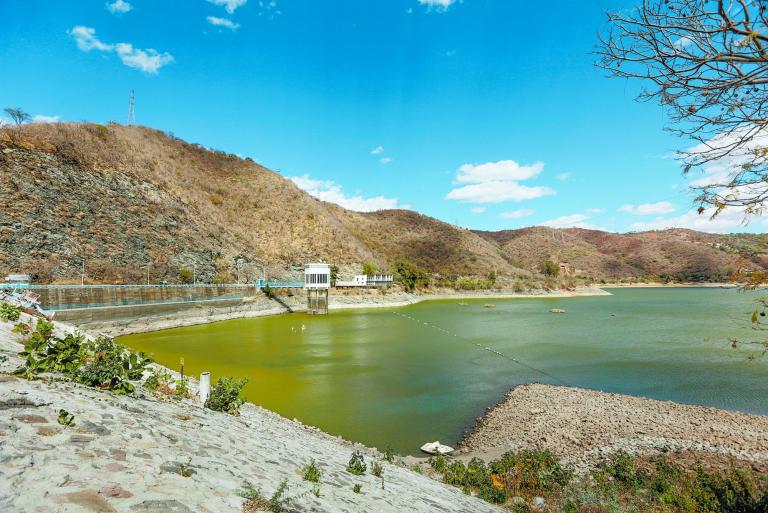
[400, 377]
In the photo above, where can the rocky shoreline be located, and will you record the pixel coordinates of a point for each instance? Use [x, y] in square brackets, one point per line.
[583, 426]
[146, 454]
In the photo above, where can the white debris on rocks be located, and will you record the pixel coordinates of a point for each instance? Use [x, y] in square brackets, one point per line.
[142, 454]
[584, 426]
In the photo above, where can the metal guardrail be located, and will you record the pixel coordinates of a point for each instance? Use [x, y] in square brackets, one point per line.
[260, 284]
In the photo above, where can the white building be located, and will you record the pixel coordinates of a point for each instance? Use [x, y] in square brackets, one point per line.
[317, 276]
[362, 280]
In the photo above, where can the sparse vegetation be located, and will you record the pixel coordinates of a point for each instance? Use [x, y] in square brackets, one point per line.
[621, 483]
[311, 472]
[549, 268]
[409, 276]
[65, 418]
[357, 488]
[225, 395]
[370, 268]
[356, 465]
[9, 312]
[101, 363]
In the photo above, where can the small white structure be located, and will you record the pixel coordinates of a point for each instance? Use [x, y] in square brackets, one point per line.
[17, 279]
[205, 387]
[317, 282]
[371, 280]
[317, 276]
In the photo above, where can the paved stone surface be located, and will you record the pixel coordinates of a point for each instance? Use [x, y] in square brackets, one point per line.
[148, 455]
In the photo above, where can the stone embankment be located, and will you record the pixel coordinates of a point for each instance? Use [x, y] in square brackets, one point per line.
[582, 426]
[142, 454]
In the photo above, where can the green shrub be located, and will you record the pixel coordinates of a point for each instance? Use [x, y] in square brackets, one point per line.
[377, 469]
[8, 312]
[101, 363]
[312, 472]
[439, 463]
[357, 464]
[357, 488]
[186, 276]
[549, 268]
[66, 419]
[225, 395]
[279, 501]
[389, 455]
[409, 275]
[182, 387]
[254, 501]
[157, 379]
[370, 268]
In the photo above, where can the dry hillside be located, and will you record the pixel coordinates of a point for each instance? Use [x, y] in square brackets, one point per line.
[676, 254]
[123, 197]
[131, 199]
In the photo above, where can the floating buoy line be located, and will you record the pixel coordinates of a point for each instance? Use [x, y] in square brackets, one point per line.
[482, 347]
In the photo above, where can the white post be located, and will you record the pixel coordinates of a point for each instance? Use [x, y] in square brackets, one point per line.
[205, 386]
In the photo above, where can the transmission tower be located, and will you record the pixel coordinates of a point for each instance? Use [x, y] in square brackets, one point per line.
[132, 101]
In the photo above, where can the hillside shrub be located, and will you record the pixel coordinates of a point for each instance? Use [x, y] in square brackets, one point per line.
[370, 268]
[410, 276]
[186, 276]
[311, 472]
[549, 268]
[225, 395]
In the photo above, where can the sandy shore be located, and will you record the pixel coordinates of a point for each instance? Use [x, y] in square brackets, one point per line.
[581, 426]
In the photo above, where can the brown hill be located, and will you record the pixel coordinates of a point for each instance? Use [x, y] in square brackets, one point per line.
[677, 254]
[126, 199]
[132, 200]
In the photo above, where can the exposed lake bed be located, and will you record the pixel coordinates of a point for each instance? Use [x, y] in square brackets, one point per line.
[400, 377]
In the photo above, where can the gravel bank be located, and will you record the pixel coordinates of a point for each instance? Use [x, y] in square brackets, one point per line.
[582, 425]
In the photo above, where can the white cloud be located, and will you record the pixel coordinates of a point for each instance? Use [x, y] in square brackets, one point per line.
[478, 210]
[646, 209]
[229, 5]
[148, 61]
[573, 221]
[45, 119]
[119, 7]
[498, 171]
[440, 5]
[223, 22]
[563, 176]
[385, 160]
[377, 150]
[595, 210]
[729, 220]
[497, 192]
[86, 39]
[327, 190]
[496, 182]
[517, 214]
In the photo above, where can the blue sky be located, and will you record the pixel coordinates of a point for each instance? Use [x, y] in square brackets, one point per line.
[484, 113]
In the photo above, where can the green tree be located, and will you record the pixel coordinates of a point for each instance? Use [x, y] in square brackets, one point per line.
[370, 268]
[185, 275]
[334, 275]
[549, 268]
[409, 275]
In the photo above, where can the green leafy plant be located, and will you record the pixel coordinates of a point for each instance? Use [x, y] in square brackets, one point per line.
[254, 501]
[311, 472]
[159, 379]
[357, 488]
[225, 395]
[8, 312]
[416, 468]
[22, 329]
[356, 465]
[66, 418]
[409, 275]
[389, 455]
[101, 363]
[279, 500]
[377, 469]
[316, 491]
[182, 387]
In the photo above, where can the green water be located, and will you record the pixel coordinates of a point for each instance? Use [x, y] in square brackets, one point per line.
[401, 377]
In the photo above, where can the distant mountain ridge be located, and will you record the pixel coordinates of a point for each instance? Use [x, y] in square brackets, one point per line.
[129, 200]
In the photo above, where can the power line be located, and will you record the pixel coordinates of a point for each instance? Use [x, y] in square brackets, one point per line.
[485, 348]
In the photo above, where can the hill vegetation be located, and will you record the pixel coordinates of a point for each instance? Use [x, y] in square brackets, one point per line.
[131, 201]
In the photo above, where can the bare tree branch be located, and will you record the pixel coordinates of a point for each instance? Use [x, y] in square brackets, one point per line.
[706, 62]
